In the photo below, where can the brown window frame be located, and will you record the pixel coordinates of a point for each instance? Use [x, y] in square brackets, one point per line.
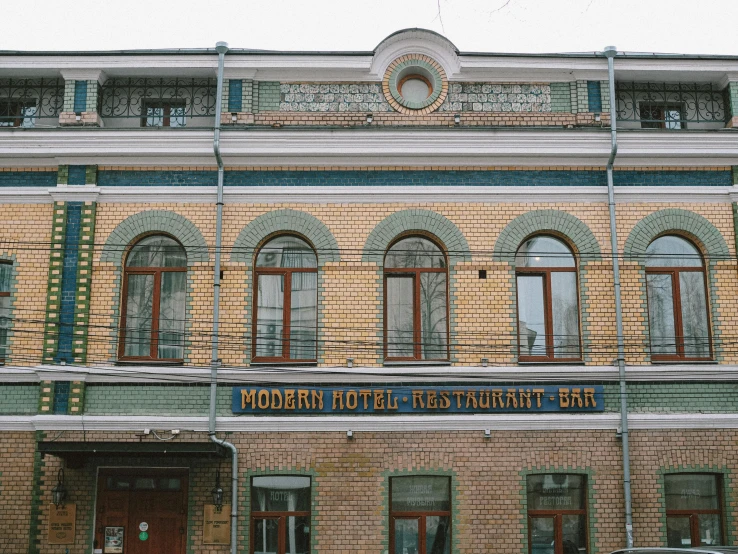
[694, 524]
[546, 272]
[5, 294]
[420, 515]
[156, 306]
[17, 112]
[676, 299]
[558, 518]
[166, 106]
[287, 273]
[281, 517]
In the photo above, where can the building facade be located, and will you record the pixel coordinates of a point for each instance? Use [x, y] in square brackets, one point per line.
[417, 336]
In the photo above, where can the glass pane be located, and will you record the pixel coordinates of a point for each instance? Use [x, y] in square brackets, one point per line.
[417, 252]
[177, 116]
[677, 532]
[694, 314]
[574, 534]
[710, 533]
[661, 314]
[673, 117]
[671, 251]
[280, 493]
[544, 252]
[269, 315]
[406, 536]
[691, 491]
[556, 491]
[266, 536]
[298, 535]
[139, 307]
[420, 494]
[5, 273]
[565, 314]
[303, 316]
[433, 316]
[541, 535]
[172, 315]
[437, 536]
[286, 251]
[157, 251]
[400, 317]
[531, 316]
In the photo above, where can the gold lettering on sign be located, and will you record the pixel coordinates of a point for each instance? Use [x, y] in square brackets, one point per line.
[263, 395]
[576, 398]
[276, 399]
[497, 397]
[432, 400]
[512, 399]
[445, 402]
[458, 395]
[365, 396]
[289, 399]
[471, 398]
[418, 399]
[352, 400]
[302, 399]
[538, 393]
[248, 397]
[484, 399]
[564, 398]
[62, 524]
[317, 399]
[379, 400]
[589, 398]
[524, 398]
[338, 400]
[390, 404]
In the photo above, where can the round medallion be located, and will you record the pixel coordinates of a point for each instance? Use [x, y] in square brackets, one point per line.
[415, 84]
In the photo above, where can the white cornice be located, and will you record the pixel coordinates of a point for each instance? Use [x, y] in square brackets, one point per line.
[84, 75]
[398, 423]
[74, 193]
[378, 375]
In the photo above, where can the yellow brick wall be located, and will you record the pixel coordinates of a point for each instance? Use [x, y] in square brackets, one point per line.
[25, 234]
[352, 289]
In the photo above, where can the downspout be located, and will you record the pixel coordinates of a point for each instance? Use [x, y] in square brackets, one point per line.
[610, 52]
[221, 48]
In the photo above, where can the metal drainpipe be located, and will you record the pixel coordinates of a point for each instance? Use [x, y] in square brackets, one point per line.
[221, 48]
[610, 52]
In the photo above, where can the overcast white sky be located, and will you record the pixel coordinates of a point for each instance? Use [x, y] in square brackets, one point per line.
[677, 26]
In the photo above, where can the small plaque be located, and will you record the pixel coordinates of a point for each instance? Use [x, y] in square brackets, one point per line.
[62, 524]
[217, 528]
[113, 540]
[143, 526]
[143, 535]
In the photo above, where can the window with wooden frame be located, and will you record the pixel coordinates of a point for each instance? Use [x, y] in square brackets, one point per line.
[154, 294]
[6, 270]
[280, 514]
[548, 301]
[163, 113]
[662, 116]
[415, 301]
[286, 313]
[677, 300]
[17, 113]
[557, 514]
[420, 515]
[694, 516]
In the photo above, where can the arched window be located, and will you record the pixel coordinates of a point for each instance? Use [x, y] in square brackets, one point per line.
[548, 308]
[416, 301]
[286, 314]
[677, 300]
[153, 322]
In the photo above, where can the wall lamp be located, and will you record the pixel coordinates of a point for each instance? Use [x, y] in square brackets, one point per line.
[217, 493]
[457, 119]
[485, 362]
[59, 492]
[349, 362]
[369, 118]
[487, 433]
[350, 434]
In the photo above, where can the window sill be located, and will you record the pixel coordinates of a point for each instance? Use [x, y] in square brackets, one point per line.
[399, 363]
[285, 363]
[162, 363]
[684, 362]
[552, 362]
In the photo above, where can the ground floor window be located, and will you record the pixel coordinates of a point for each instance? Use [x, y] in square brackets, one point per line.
[557, 514]
[693, 514]
[420, 515]
[280, 514]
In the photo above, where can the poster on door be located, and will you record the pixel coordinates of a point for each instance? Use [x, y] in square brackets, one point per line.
[113, 540]
[61, 524]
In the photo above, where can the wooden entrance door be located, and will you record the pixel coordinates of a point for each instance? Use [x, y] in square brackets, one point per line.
[155, 500]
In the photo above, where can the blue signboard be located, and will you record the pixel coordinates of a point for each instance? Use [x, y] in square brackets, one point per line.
[418, 400]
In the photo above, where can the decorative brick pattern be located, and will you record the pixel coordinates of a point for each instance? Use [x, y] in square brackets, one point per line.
[582, 97]
[157, 399]
[484, 97]
[40, 177]
[54, 288]
[424, 64]
[19, 398]
[560, 97]
[269, 95]
[332, 97]
[84, 278]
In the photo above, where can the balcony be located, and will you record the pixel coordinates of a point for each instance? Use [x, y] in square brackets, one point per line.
[670, 106]
[31, 102]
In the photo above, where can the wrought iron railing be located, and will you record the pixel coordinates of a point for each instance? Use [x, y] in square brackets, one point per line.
[670, 105]
[158, 102]
[28, 102]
